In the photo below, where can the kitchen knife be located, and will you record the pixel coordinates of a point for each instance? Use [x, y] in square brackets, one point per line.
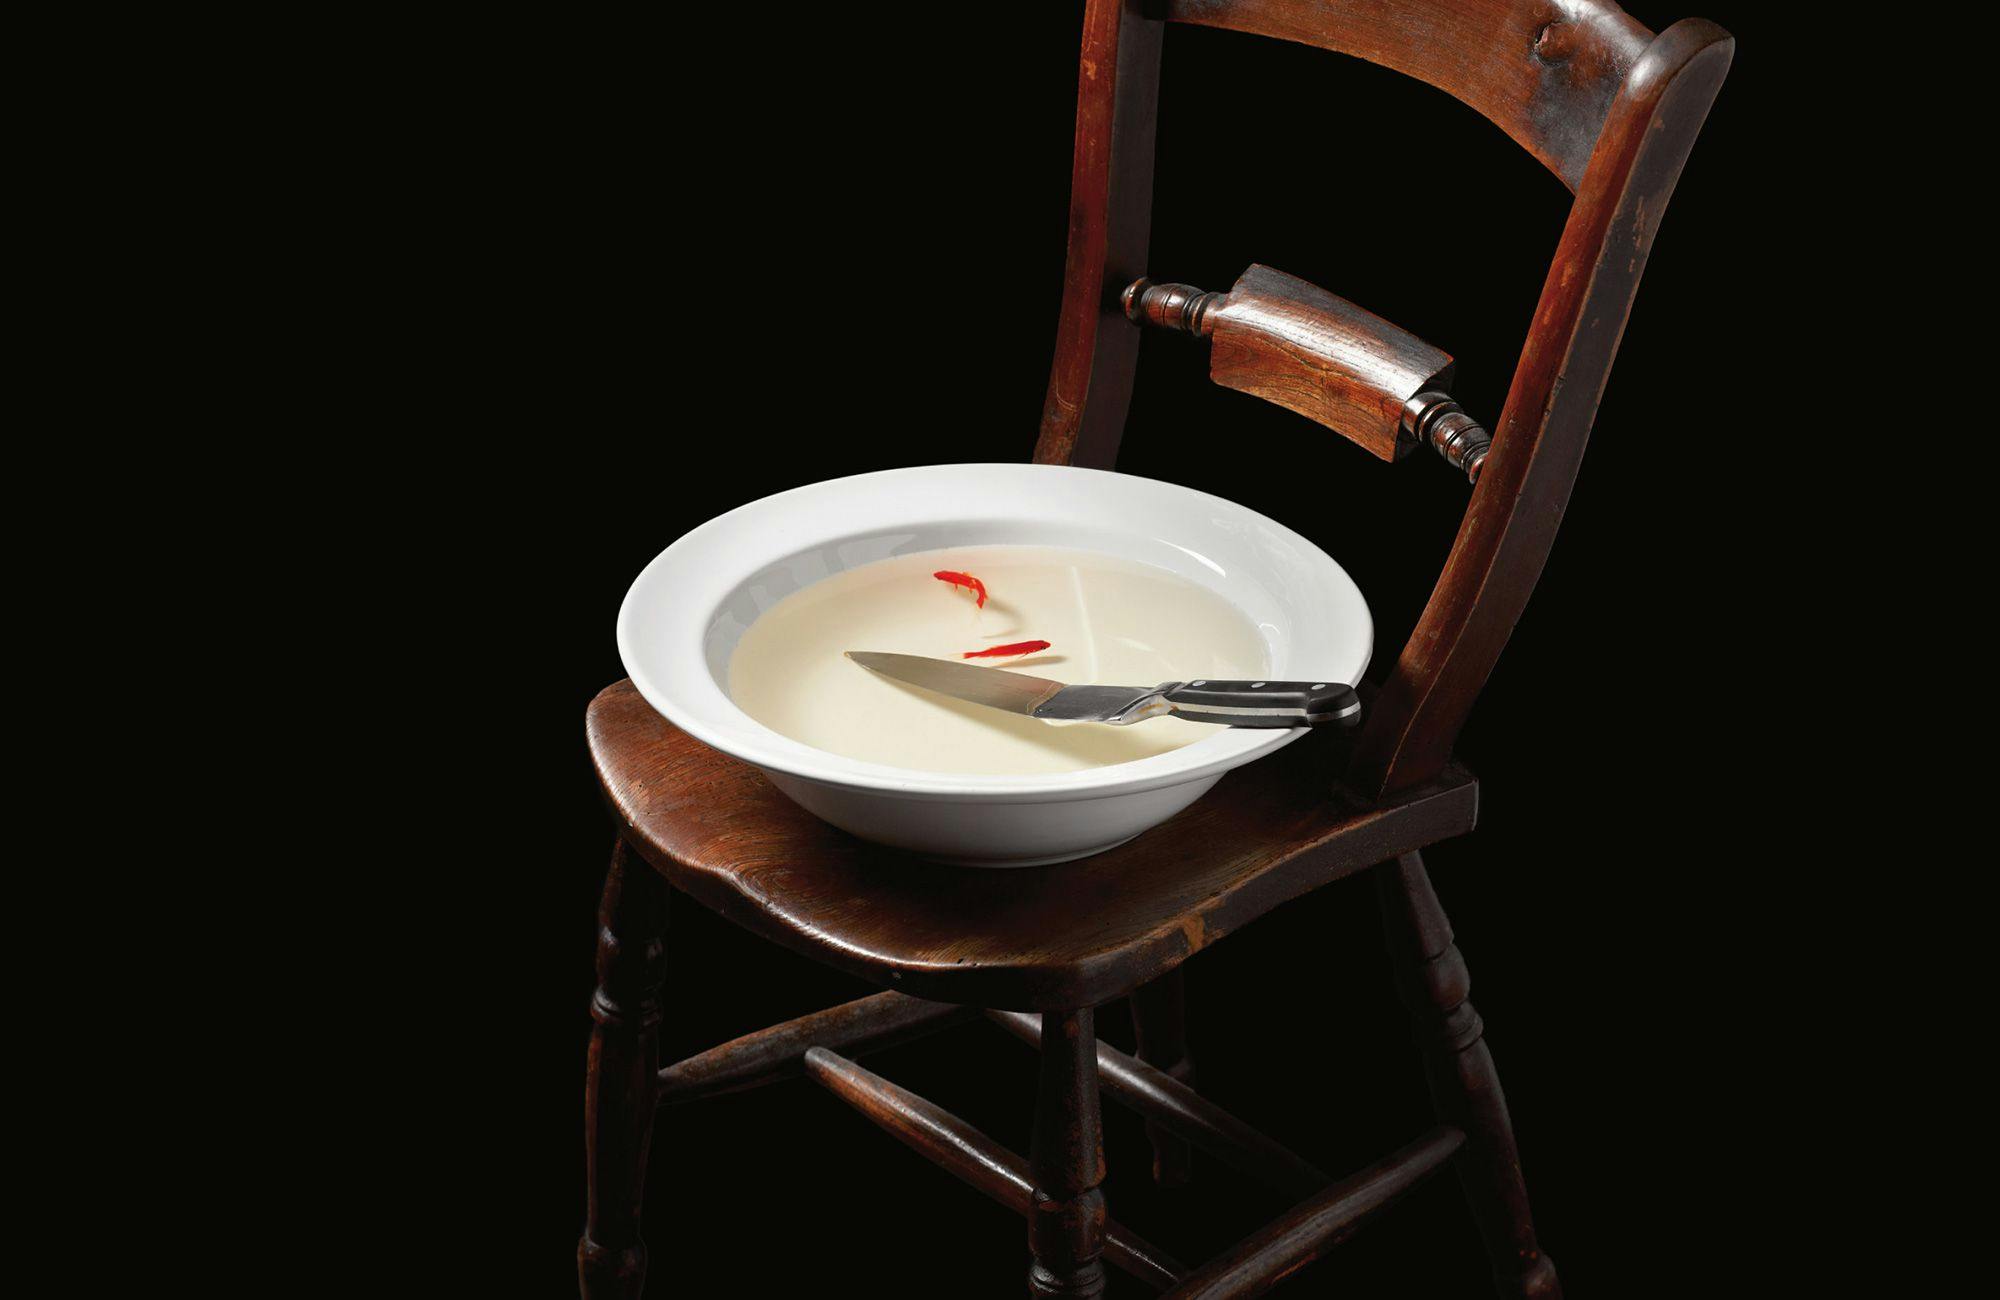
[1229, 704]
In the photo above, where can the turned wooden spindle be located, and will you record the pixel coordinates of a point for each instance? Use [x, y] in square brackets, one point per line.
[1465, 1087]
[623, 1080]
[1066, 1158]
[1434, 419]
[1310, 351]
[1169, 306]
[778, 1052]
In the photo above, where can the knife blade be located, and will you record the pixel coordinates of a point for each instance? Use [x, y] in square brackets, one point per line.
[1231, 704]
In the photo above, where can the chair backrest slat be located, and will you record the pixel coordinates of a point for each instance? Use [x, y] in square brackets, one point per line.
[1543, 71]
[1611, 109]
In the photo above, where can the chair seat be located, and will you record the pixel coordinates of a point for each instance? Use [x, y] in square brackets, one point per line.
[1066, 935]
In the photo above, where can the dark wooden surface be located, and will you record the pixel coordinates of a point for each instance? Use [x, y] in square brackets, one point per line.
[1310, 351]
[1544, 73]
[1066, 1158]
[1315, 1226]
[854, 1028]
[952, 1144]
[1464, 1083]
[621, 1080]
[1070, 934]
[1110, 221]
[1173, 1107]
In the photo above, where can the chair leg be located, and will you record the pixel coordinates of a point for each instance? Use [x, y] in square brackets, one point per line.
[1066, 1161]
[1159, 1021]
[1464, 1085]
[619, 1090]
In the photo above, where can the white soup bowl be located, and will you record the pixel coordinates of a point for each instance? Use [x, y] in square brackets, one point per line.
[684, 614]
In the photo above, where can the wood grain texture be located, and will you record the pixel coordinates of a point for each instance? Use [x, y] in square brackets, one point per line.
[1179, 307]
[1584, 88]
[854, 1028]
[619, 1082]
[1075, 933]
[1110, 225]
[1293, 343]
[1543, 71]
[1180, 1110]
[1310, 1229]
[964, 1151]
[1538, 441]
[1465, 1087]
[1066, 1160]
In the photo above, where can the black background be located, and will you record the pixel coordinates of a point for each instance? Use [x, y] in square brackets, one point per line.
[739, 261]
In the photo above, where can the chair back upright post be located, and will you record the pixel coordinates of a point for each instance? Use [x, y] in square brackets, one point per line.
[1110, 225]
[1600, 101]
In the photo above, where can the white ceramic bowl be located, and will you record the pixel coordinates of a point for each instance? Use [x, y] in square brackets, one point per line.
[684, 615]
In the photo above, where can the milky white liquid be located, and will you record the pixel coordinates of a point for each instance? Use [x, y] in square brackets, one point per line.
[1108, 621]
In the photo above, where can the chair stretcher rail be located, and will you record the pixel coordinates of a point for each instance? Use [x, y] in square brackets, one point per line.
[1311, 1228]
[864, 1025]
[946, 1140]
[1185, 1113]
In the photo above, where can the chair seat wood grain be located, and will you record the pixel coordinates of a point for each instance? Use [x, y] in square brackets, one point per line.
[1072, 934]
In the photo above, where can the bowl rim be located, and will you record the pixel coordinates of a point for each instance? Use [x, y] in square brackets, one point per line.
[754, 743]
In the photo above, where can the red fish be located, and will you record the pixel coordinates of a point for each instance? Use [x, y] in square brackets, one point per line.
[965, 580]
[1006, 651]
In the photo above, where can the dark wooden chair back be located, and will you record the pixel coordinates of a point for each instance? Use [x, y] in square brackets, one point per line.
[1600, 101]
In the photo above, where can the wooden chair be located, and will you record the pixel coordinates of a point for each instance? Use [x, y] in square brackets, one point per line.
[1611, 109]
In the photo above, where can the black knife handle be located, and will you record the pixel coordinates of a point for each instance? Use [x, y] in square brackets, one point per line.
[1266, 704]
